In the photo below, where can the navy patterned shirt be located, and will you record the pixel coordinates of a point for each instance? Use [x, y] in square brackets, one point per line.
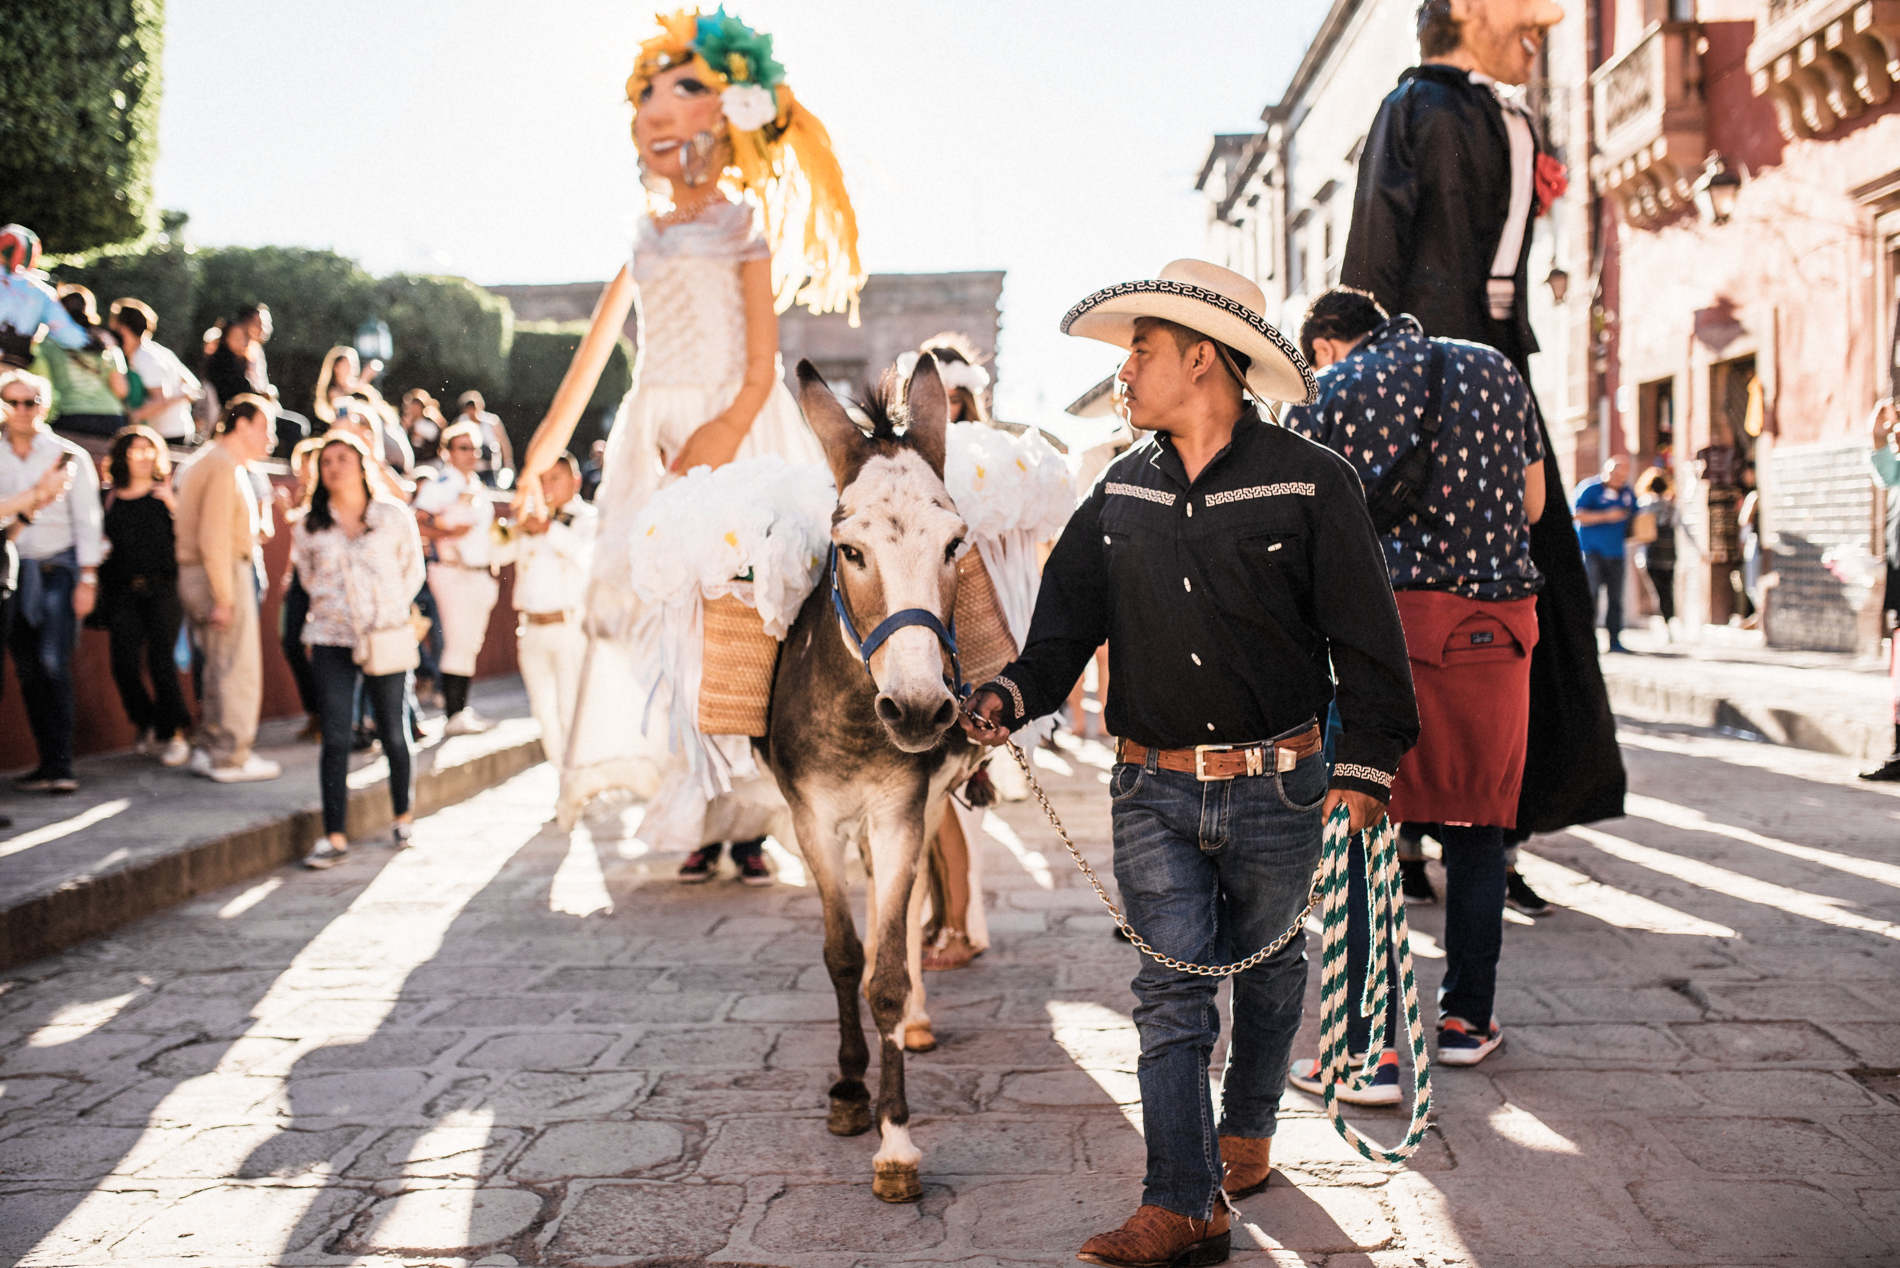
[1471, 537]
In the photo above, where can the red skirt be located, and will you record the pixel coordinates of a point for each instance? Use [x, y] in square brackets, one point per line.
[1471, 670]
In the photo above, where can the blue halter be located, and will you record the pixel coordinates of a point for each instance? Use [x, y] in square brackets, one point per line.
[893, 623]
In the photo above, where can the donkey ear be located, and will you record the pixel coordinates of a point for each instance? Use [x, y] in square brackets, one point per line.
[843, 441]
[929, 413]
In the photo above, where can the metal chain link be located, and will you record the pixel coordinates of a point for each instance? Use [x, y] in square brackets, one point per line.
[1179, 966]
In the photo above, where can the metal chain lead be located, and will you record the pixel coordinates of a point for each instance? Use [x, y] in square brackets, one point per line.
[1179, 966]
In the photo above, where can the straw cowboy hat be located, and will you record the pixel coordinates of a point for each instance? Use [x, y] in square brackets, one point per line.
[1208, 300]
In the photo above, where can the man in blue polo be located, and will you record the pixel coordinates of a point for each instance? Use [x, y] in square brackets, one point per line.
[1603, 508]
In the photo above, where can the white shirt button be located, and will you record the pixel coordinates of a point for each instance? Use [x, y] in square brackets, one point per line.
[1195, 657]
[1210, 726]
[1190, 507]
[1188, 584]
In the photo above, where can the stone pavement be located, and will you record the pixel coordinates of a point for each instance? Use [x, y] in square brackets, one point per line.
[137, 838]
[506, 1046]
[1830, 702]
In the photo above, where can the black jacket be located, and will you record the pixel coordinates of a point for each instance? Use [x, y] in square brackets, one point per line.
[1230, 604]
[1434, 194]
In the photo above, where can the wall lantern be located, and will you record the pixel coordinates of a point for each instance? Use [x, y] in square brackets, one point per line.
[1716, 190]
[1559, 283]
[373, 342]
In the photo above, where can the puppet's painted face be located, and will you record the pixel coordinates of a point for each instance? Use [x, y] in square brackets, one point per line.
[677, 106]
[1504, 36]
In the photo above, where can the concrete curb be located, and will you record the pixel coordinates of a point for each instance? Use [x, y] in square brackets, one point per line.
[44, 923]
[1660, 700]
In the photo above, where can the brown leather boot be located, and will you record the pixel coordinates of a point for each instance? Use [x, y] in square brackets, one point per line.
[1245, 1158]
[1155, 1237]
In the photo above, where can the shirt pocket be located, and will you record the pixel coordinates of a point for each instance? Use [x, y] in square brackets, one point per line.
[1274, 555]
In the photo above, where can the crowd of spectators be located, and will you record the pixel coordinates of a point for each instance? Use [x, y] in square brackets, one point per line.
[155, 535]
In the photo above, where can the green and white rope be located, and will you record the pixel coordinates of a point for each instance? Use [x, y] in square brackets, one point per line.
[1385, 916]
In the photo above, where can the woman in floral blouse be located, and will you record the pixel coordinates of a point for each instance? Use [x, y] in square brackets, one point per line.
[360, 558]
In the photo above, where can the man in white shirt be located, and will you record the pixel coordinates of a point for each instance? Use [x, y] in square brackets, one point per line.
[553, 559]
[60, 550]
[496, 465]
[170, 388]
[453, 513]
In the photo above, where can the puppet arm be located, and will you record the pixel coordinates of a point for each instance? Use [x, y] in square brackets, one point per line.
[577, 386]
[716, 442]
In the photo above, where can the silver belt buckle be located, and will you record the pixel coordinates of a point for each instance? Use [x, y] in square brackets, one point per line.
[1200, 762]
[1284, 759]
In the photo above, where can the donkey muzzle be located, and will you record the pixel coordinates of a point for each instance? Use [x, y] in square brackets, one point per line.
[915, 721]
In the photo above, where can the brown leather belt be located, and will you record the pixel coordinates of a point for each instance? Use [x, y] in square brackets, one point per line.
[1226, 761]
[544, 618]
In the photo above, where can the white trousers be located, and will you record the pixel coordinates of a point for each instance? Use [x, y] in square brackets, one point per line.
[463, 599]
[550, 659]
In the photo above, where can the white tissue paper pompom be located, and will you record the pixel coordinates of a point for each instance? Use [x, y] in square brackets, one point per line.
[1004, 484]
[748, 107]
[757, 528]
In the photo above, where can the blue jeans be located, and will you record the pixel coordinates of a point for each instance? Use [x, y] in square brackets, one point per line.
[1210, 873]
[42, 643]
[337, 674]
[1606, 573]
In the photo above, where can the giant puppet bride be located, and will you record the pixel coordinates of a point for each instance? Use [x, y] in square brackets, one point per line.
[713, 482]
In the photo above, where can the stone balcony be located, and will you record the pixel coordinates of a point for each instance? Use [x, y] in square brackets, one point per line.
[1824, 63]
[1651, 123]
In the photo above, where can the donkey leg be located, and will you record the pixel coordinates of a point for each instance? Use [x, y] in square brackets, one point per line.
[844, 960]
[918, 1034]
[896, 1161]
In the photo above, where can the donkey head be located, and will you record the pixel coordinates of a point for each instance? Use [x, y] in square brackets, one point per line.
[897, 534]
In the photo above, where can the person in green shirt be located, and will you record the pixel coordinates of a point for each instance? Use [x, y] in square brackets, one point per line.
[1885, 463]
[89, 384]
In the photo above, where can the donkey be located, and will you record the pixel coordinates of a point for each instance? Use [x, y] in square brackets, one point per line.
[862, 736]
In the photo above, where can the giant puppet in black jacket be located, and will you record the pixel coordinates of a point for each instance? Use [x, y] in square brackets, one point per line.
[1433, 205]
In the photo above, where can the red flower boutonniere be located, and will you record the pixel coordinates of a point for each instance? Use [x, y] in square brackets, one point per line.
[1550, 179]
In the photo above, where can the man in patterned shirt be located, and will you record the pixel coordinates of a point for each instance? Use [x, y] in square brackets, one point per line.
[1460, 561]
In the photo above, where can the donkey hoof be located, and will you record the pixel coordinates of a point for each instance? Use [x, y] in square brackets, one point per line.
[849, 1118]
[897, 1182]
[918, 1038]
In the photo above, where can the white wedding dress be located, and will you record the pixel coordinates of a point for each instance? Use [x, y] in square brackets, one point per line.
[690, 367]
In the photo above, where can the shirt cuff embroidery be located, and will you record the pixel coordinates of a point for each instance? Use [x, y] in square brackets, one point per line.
[1015, 694]
[1372, 775]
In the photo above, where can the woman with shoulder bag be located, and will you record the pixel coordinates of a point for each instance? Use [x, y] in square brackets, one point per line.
[360, 558]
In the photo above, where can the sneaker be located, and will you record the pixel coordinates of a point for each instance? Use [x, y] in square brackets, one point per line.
[700, 864]
[1616, 645]
[177, 752]
[255, 769]
[749, 856]
[1457, 1045]
[1384, 1089]
[325, 855]
[1414, 884]
[145, 743]
[1521, 898]
[467, 722]
[1887, 772]
[402, 833]
[34, 781]
[61, 784]
[199, 763]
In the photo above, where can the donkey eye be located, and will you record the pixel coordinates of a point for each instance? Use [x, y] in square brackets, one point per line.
[950, 551]
[852, 555]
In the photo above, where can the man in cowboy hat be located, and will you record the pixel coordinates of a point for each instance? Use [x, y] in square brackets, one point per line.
[1235, 575]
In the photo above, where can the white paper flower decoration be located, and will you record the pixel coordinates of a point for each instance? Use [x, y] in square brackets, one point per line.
[749, 107]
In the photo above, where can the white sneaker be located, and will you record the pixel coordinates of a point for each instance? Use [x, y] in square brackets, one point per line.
[467, 722]
[254, 770]
[325, 855]
[177, 753]
[199, 763]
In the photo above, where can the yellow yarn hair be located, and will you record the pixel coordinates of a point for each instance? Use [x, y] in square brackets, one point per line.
[794, 176]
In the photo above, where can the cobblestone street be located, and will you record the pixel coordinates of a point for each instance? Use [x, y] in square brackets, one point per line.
[505, 1047]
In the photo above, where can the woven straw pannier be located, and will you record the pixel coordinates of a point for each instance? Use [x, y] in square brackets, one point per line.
[735, 683]
[983, 642]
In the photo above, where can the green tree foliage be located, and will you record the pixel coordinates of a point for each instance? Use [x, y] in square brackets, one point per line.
[165, 275]
[79, 93]
[449, 335]
[539, 359]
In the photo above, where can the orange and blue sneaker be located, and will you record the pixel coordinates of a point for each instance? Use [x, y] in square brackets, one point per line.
[1460, 1044]
[1383, 1090]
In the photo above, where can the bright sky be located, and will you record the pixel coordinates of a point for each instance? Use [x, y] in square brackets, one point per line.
[1057, 141]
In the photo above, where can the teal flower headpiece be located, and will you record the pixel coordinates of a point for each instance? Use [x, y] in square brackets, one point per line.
[737, 51]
